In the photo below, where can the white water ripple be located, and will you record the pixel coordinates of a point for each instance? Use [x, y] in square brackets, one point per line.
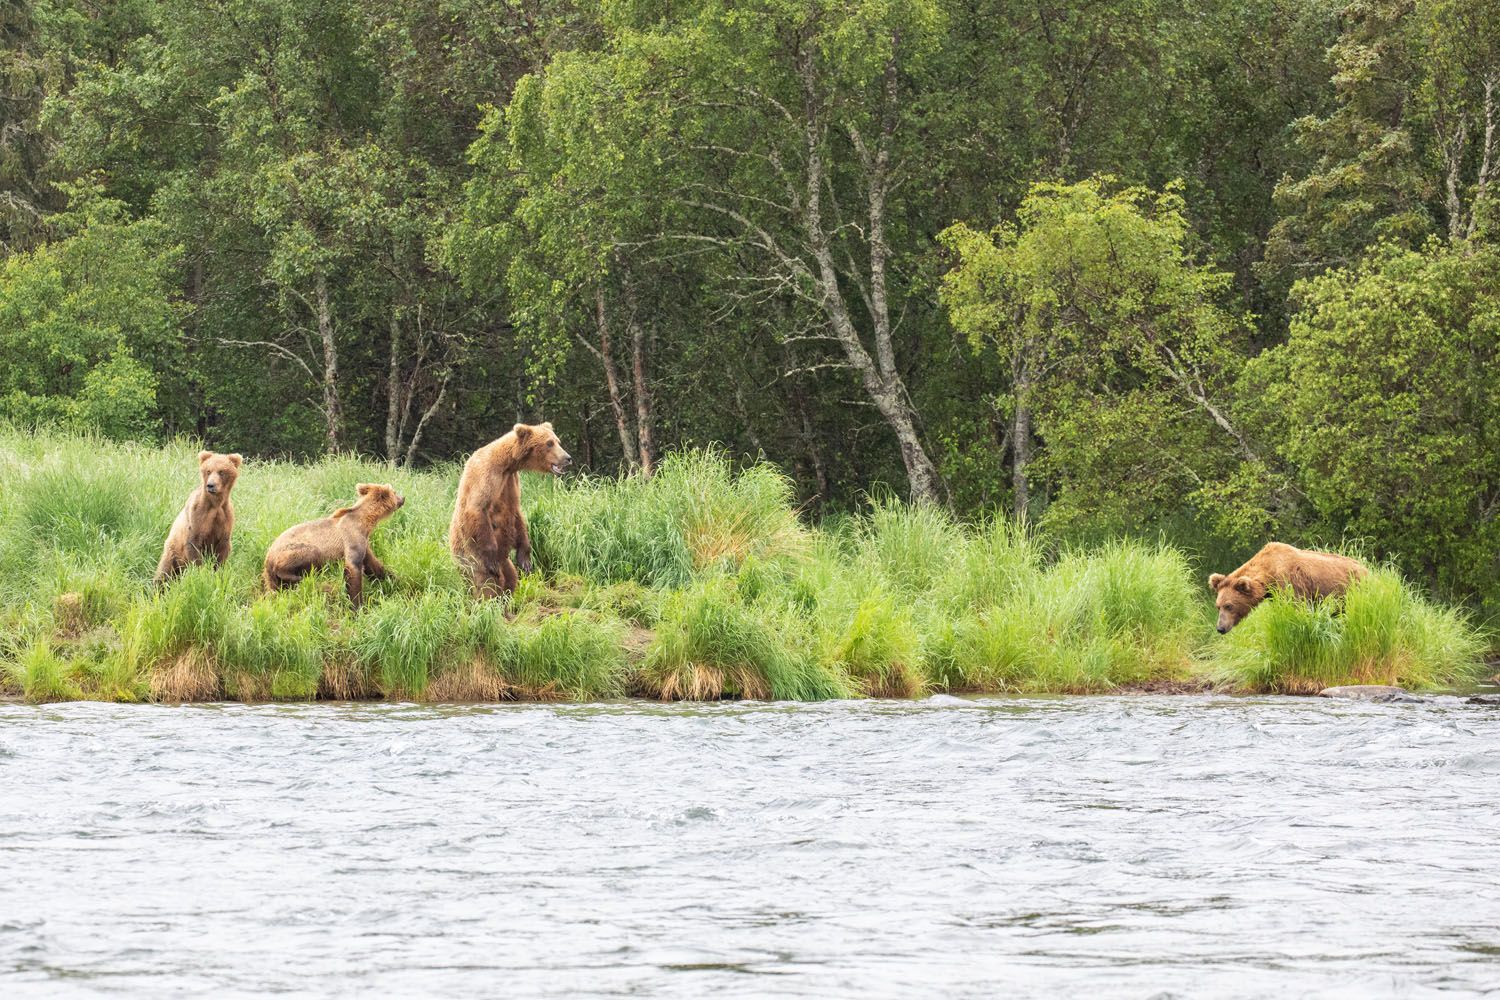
[1132, 846]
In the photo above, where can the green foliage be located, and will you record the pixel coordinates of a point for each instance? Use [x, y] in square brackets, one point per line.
[85, 323]
[400, 639]
[1398, 157]
[696, 513]
[709, 645]
[1108, 330]
[1378, 408]
[279, 649]
[1124, 615]
[1381, 632]
[42, 675]
[357, 228]
[872, 638]
[899, 601]
[570, 655]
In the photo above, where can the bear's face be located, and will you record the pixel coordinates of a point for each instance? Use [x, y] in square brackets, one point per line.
[377, 501]
[218, 472]
[1235, 597]
[540, 449]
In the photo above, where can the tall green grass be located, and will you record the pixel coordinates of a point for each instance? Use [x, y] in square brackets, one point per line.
[711, 645]
[41, 675]
[700, 582]
[695, 514]
[1123, 615]
[1381, 632]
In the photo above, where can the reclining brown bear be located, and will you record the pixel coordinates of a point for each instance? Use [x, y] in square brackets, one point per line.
[1307, 573]
[206, 521]
[342, 536]
[487, 523]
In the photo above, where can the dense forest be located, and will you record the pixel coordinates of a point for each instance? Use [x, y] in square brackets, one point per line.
[1219, 269]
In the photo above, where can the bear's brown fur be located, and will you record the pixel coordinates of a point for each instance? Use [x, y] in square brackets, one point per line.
[1307, 573]
[204, 525]
[487, 522]
[342, 536]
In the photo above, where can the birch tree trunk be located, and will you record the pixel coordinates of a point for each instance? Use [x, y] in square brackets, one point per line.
[642, 391]
[605, 353]
[393, 393]
[331, 410]
[1020, 451]
[879, 375]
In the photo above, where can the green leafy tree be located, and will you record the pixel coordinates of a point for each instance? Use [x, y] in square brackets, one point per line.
[561, 213]
[790, 138]
[1388, 408]
[88, 324]
[23, 195]
[1113, 346]
[1411, 146]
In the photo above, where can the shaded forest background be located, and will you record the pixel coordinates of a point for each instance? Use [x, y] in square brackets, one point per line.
[1219, 269]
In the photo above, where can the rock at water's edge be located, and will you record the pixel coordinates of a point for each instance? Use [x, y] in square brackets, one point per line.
[1369, 692]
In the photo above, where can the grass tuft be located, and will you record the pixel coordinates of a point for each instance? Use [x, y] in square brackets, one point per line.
[571, 656]
[1381, 632]
[42, 676]
[400, 638]
[710, 646]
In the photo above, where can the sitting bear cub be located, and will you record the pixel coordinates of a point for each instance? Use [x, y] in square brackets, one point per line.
[205, 523]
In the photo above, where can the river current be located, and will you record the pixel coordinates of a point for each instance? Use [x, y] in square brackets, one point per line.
[1108, 846]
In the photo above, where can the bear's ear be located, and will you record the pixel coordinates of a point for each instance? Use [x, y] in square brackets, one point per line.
[235, 458]
[522, 432]
[204, 456]
[1244, 587]
[363, 488]
[545, 428]
[1216, 581]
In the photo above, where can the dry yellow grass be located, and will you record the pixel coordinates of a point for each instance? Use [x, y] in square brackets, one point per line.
[474, 680]
[709, 682]
[69, 615]
[188, 676]
[344, 680]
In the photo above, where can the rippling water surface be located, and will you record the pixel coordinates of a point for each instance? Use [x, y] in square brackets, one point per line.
[1130, 846]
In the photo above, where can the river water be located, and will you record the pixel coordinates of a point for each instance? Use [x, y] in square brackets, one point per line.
[1131, 846]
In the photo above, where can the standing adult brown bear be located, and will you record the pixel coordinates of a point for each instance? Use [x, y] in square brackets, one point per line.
[343, 536]
[204, 525]
[1307, 573]
[487, 522]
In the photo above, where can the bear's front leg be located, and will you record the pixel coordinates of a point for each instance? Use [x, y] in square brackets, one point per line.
[354, 582]
[374, 568]
[523, 546]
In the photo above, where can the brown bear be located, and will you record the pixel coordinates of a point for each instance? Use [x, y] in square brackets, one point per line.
[1307, 573]
[487, 522]
[342, 536]
[205, 524]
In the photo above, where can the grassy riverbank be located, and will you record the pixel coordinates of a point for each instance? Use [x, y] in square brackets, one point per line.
[702, 582]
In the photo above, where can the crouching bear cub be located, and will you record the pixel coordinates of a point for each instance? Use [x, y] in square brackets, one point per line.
[204, 525]
[343, 536]
[487, 522]
[1307, 573]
